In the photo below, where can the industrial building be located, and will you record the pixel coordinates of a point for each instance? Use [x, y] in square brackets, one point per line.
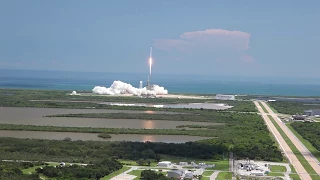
[175, 173]
[164, 164]
[298, 117]
[225, 97]
[188, 175]
[183, 163]
[312, 112]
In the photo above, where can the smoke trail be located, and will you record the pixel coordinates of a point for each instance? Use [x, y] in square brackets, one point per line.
[150, 61]
[119, 87]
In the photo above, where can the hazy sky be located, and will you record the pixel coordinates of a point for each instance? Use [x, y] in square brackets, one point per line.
[265, 38]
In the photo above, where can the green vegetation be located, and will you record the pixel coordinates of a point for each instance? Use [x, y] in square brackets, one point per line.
[294, 176]
[296, 152]
[195, 126]
[204, 133]
[203, 117]
[13, 170]
[205, 178]
[231, 118]
[207, 173]
[136, 173]
[224, 176]
[104, 135]
[151, 175]
[92, 171]
[62, 99]
[234, 134]
[90, 151]
[222, 165]
[275, 174]
[288, 107]
[278, 168]
[263, 108]
[293, 170]
[310, 132]
[115, 173]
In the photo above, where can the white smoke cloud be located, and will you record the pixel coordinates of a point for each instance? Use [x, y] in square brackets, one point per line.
[74, 93]
[119, 87]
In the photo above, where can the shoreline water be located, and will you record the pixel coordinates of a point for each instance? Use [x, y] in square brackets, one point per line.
[13, 79]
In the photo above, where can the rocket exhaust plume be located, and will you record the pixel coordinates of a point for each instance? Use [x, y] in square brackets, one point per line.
[119, 87]
[150, 61]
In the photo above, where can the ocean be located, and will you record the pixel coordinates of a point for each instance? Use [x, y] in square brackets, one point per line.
[76, 81]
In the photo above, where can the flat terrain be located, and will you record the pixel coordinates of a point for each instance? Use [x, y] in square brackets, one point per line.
[303, 150]
[75, 136]
[284, 146]
[37, 116]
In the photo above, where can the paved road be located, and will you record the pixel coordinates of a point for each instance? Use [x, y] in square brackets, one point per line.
[125, 175]
[214, 175]
[284, 146]
[313, 161]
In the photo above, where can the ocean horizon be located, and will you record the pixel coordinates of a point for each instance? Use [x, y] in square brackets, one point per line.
[198, 84]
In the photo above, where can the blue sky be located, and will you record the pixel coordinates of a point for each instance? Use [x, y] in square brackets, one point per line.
[235, 38]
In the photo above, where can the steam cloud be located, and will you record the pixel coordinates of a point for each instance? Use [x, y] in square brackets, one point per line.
[119, 87]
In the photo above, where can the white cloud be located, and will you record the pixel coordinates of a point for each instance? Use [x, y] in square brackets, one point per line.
[215, 44]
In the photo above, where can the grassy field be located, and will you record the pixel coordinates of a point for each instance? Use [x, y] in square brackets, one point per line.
[136, 173]
[275, 174]
[305, 142]
[293, 170]
[123, 169]
[62, 99]
[224, 176]
[272, 108]
[222, 165]
[263, 108]
[134, 163]
[300, 157]
[294, 176]
[219, 165]
[207, 173]
[277, 168]
[205, 178]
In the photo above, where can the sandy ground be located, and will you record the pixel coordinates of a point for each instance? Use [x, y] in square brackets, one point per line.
[303, 150]
[283, 144]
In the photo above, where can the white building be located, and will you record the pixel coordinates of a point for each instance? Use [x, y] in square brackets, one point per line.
[257, 173]
[225, 97]
[183, 163]
[164, 163]
[189, 175]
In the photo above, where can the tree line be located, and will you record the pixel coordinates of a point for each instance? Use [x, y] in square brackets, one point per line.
[309, 131]
[92, 171]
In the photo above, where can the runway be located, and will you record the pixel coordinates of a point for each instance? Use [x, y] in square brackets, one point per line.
[303, 150]
[284, 146]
